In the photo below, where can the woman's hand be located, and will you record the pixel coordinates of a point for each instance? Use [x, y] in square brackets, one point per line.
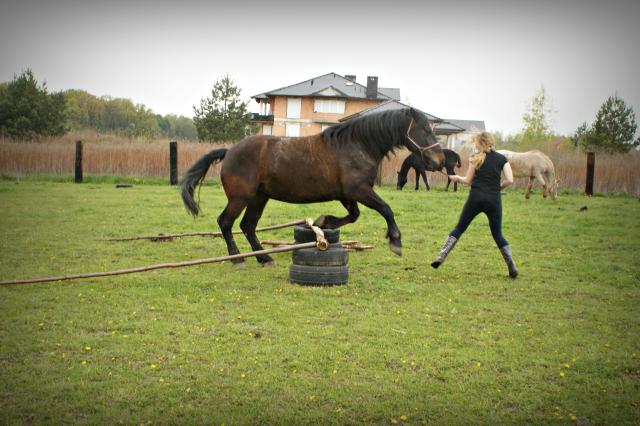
[454, 178]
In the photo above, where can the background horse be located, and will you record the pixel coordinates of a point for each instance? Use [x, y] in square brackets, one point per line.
[451, 160]
[341, 163]
[534, 165]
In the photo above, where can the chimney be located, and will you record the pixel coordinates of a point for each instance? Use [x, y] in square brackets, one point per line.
[372, 87]
[350, 78]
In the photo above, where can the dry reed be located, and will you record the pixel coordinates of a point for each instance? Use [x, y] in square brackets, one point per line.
[117, 156]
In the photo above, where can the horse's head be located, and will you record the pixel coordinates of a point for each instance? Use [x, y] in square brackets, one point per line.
[402, 181]
[421, 139]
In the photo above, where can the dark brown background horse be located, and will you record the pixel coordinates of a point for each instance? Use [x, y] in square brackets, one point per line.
[340, 163]
[413, 161]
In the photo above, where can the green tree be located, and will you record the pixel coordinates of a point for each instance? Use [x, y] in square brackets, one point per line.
[612, 131]
[537, 118]
[28, 110]
[222, 116]
[84, 110]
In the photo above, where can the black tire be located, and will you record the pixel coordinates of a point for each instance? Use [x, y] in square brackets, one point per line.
[318, 275]
[334, 256]
[304, 234]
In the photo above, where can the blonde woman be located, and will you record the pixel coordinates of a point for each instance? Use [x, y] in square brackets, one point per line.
[485, 169]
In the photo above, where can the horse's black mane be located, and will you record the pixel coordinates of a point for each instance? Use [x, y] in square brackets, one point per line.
[376, 133]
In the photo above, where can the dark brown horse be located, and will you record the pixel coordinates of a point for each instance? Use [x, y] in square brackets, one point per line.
[413, 161]
[340, 163]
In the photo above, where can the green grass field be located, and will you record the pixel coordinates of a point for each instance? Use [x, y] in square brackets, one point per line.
[400, 343]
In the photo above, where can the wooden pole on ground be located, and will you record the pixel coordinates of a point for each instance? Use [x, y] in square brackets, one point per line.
[165, 265]
[161, 237]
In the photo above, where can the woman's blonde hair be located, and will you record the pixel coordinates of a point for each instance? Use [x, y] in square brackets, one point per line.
[484, 143]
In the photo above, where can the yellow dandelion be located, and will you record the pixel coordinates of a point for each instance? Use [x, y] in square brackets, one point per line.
[312, 397]
[84, 362]
[161, 380]
[567, 366]
[243, 375]
[152, 366]
[335, 371]
[478, 365]
[87, 348]
[394, 422]
[561, 374]
[574, 418]
[187, 390]
[403, 418]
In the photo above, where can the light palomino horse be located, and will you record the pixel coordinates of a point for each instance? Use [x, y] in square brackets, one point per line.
[534, 165]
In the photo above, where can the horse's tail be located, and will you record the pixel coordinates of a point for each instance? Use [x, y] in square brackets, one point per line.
[195, 176]
[550, 175]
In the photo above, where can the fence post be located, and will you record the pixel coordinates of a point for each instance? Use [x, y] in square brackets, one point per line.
[78, 174]
[173, 162]
[591, 164]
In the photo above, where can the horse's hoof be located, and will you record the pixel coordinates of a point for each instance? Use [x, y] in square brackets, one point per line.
[242, 264]
[269, 264]
[396, 249]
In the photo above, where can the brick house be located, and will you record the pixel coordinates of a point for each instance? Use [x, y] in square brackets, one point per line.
[311, 106]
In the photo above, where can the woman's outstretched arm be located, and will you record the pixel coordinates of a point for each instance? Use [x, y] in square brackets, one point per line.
[508, 175]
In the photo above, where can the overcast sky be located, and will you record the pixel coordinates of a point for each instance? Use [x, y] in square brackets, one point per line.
[477, 60]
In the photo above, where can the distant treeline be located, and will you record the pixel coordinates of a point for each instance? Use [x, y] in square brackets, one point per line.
[106, 114]
[28, 111]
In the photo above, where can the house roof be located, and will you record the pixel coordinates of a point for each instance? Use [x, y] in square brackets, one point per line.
[330, 85]
[469, 125]
[444, 126]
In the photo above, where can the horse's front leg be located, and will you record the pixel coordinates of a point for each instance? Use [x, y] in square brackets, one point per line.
[424, 178]
[541, 181]
[527, 192]
[332, 222]
[372, 200]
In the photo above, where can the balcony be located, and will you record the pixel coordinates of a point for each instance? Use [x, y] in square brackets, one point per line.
[256, 117]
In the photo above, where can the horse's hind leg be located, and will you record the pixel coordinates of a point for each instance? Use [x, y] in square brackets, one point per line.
[249, 222]
[451, 171]
[332, 222]
[226, 220]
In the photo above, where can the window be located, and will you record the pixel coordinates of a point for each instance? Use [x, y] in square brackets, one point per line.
[331, 106]
[293, 107]
[265, 108]
[267, 129]
[292, 129]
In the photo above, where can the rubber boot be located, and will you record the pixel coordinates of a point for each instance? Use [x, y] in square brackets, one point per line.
[449, 243]
[508, 258]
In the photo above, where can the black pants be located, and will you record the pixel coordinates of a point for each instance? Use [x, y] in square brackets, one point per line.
[489, 203]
